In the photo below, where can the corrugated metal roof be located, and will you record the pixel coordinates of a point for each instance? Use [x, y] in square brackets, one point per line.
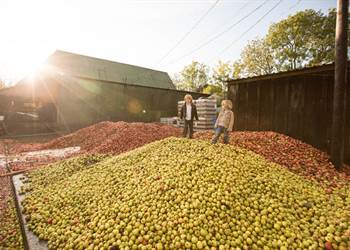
[100, 69]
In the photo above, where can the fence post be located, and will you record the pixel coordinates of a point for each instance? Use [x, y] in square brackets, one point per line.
[258, 105]
[341, 38]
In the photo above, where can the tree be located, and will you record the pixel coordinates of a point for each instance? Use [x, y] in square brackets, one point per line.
[176, 78]
[197, 75]
[303, 39]
[322, 44]
[237, 69]
[192, 76]
[213, 89]
[257, 58]
[222, 72]
[2, 84]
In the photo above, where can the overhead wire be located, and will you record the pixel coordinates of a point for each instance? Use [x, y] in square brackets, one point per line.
[291, 7]
[251, 27]
[190, 30]
[219, 34]
[295, 5]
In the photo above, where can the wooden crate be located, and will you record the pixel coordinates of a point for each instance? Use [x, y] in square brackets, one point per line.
[169, 120]
[206, 110]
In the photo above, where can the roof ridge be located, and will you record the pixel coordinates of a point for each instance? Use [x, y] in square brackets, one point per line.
[283, 73]
[106, 60]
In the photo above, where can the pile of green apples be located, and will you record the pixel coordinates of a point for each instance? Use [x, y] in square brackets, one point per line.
[182, 194]
[10, 234]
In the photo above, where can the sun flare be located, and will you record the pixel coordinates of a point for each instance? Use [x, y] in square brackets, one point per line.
[26, 61]
[30, 62]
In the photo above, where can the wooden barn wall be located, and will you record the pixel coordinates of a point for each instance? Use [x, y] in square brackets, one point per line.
[86, 102]
[299, 106]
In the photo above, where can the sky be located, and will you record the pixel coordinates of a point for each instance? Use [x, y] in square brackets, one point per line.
[138, 32]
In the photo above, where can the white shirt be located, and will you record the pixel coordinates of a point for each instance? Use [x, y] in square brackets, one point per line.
[188, 112]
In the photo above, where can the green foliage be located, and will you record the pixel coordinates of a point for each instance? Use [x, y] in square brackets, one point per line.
[237, 69]
[257, 58]
[306, 38]
[323, 45]
[303, 39]
[223, 72]
[213, 89]
[192, 76]
[197, 74]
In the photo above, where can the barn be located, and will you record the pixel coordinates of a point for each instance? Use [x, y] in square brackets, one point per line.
[72, 91]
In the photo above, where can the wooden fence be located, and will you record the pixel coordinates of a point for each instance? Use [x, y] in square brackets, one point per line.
[296, 103]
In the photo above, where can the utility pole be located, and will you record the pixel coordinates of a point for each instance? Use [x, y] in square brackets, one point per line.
[340, 82]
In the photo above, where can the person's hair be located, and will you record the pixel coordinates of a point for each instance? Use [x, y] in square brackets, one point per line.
[188, 97]
[228, 103]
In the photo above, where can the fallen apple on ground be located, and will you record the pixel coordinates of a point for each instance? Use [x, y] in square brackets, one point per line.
[298, 157]
[104, 137]
[10, 235]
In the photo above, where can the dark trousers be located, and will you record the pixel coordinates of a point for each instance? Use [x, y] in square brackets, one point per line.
[188, 127]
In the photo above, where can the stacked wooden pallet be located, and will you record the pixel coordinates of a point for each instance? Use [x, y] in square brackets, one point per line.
[169, 120]
[206, 109]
